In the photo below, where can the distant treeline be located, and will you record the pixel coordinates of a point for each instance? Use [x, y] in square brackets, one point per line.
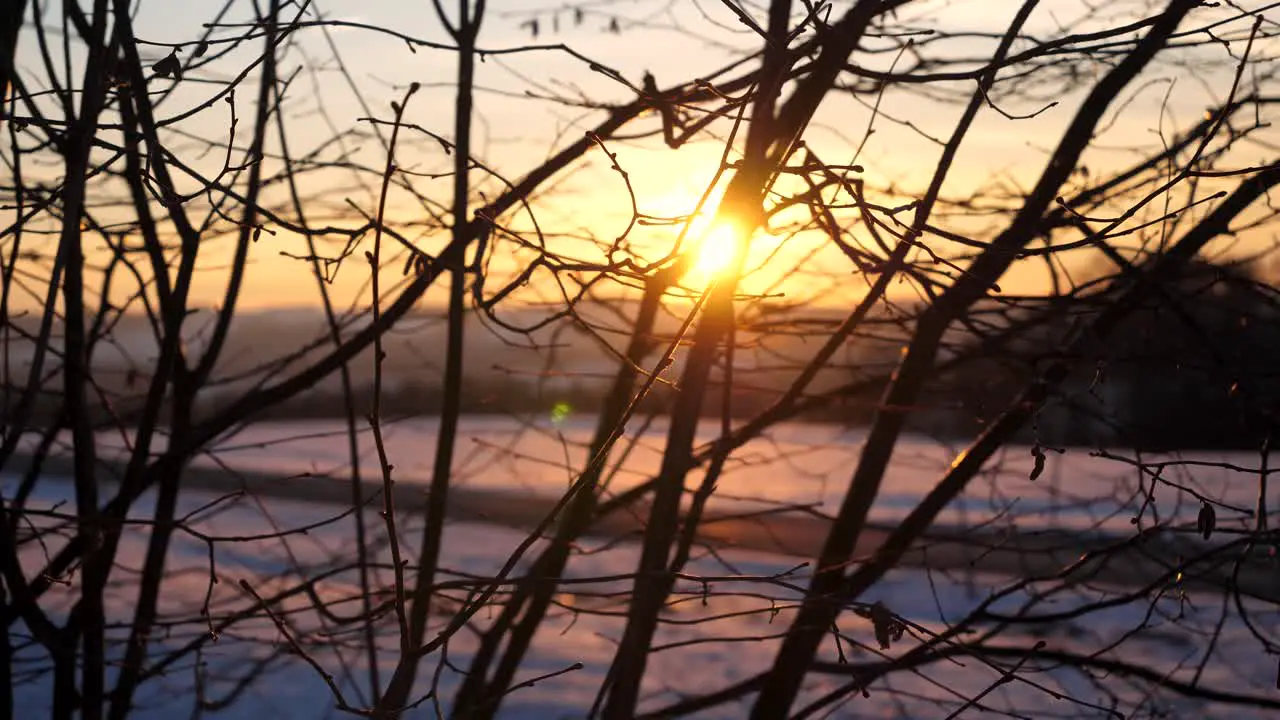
[513, 396]
[1199, 373]
[1197, 367]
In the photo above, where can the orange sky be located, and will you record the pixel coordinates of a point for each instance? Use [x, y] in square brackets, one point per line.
[515, 132]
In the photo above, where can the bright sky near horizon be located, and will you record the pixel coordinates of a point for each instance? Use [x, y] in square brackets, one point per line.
[517, 127]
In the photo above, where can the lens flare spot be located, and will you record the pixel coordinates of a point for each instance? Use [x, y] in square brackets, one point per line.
[560, 412]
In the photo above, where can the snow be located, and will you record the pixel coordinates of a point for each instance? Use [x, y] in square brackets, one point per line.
[793, 464]
[717, 634]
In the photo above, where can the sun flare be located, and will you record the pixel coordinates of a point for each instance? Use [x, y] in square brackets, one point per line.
[715, 252]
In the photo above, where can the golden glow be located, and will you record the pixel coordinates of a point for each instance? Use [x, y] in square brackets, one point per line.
[715, 252]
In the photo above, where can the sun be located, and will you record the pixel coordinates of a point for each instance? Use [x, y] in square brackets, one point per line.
[715, 253]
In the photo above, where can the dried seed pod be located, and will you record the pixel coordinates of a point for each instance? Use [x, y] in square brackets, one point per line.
[170, 66]
[1039, 466]
[1207, 520]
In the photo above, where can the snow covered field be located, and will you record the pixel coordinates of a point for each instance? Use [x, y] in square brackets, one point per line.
[793, 464]
[724, 630]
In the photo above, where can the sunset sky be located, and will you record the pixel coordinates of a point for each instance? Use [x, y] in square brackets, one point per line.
[517, 127]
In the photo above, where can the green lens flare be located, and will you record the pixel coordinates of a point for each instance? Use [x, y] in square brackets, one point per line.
[560, 412]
